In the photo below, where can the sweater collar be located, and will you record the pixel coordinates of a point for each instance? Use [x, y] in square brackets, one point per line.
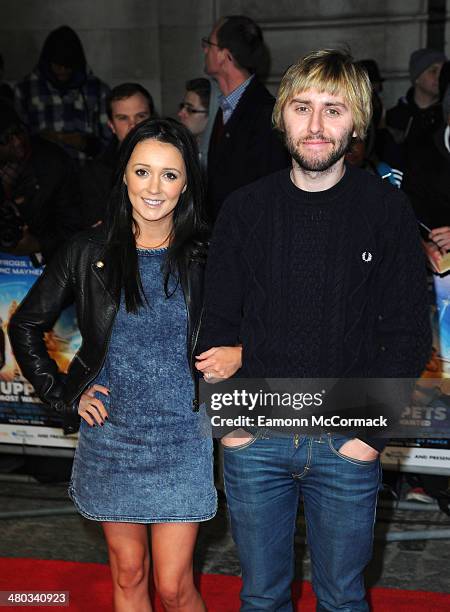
[317, 197]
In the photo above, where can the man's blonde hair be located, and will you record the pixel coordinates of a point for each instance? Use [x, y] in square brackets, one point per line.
[336, 73]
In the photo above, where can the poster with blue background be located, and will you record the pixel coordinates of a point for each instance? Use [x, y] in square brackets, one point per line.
[23, 419]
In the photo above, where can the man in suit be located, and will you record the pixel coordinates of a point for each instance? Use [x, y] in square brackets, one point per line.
[243, 145]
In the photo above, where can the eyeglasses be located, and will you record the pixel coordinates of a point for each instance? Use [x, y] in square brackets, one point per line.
[208, 43]
[190, 110]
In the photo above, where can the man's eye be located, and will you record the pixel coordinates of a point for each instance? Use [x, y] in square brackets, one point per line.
[301, 109]
[143, 115]
[333, 112]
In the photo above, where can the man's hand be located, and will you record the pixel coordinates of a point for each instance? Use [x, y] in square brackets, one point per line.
[237, 437]
[437, 246]
[357, 449]
[434, 255]
[441, 237]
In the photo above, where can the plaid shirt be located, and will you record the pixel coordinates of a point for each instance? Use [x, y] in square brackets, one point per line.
[229, 103]
[44, 107]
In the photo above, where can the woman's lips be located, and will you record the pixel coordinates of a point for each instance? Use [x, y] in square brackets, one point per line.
[152, 202]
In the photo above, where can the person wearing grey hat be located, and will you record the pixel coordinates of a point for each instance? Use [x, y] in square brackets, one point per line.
[417, 115]
[424, 68]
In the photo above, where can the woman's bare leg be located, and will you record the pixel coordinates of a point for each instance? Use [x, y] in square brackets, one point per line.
[129, 560]
[172, 554]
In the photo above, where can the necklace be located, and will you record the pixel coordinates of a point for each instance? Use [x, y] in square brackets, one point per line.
[154, 246]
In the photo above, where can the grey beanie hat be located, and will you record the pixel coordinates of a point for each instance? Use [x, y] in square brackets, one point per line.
[421, 59]
[446, 104]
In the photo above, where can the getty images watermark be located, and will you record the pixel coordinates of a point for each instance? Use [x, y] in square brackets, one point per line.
[379, 407]
[271, 399]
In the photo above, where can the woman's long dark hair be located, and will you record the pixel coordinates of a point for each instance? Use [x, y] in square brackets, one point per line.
[188, 216]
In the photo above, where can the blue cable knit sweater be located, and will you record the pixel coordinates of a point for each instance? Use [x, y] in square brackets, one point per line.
[319, 284]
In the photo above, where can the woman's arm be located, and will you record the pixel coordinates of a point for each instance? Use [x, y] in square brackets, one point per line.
[37, 314]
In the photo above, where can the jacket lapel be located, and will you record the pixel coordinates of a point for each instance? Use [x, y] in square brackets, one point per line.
[102, 270]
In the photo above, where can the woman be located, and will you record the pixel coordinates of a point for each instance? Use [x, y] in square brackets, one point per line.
[144, 454]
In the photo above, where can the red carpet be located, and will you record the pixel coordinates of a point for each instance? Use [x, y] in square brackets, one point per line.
[90, 589]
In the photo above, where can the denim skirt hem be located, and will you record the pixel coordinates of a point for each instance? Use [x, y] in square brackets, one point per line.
[140, 519]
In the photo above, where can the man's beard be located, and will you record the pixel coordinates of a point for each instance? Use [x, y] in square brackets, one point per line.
[319, 163]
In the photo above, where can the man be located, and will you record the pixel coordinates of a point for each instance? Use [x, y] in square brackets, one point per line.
[193, 111]
[127, 105]
[39, 197]
[427, 183]
[243, 145]
[318, 272]
[411, 122]
[62, 99]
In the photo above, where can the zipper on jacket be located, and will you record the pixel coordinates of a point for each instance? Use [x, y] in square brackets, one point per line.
[194, 338]
[77, 356]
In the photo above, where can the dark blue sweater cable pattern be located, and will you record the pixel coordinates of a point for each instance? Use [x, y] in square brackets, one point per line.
[319, 284]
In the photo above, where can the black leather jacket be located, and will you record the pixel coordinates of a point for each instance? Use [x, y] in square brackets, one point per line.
[80, 273]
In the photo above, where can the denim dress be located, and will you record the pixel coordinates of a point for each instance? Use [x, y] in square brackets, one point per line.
[151, 462]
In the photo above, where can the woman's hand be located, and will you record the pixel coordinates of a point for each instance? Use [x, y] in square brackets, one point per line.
[90, 408]
[219, 362]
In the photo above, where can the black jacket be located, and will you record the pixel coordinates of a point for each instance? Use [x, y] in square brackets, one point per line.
[408, 129]
[80, 273]
[427, 182]
[96, 181]
[248, 149]
[51, 201]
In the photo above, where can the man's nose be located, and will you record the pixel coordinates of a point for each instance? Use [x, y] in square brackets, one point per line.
[315, 123]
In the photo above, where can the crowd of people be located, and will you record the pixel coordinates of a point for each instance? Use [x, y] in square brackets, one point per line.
[286, 248]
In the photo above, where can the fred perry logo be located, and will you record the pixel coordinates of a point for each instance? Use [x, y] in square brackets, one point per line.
[366, 256]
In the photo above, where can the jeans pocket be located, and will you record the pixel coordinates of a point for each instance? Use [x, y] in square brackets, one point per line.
[337, 442]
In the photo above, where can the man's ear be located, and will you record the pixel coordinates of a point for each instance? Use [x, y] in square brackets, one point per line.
[111, 126]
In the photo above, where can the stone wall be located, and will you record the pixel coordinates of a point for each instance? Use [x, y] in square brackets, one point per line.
[120, 37]
[157, 42]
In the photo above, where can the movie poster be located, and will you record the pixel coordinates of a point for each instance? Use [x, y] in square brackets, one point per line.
[23, 419]
[433, 405]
